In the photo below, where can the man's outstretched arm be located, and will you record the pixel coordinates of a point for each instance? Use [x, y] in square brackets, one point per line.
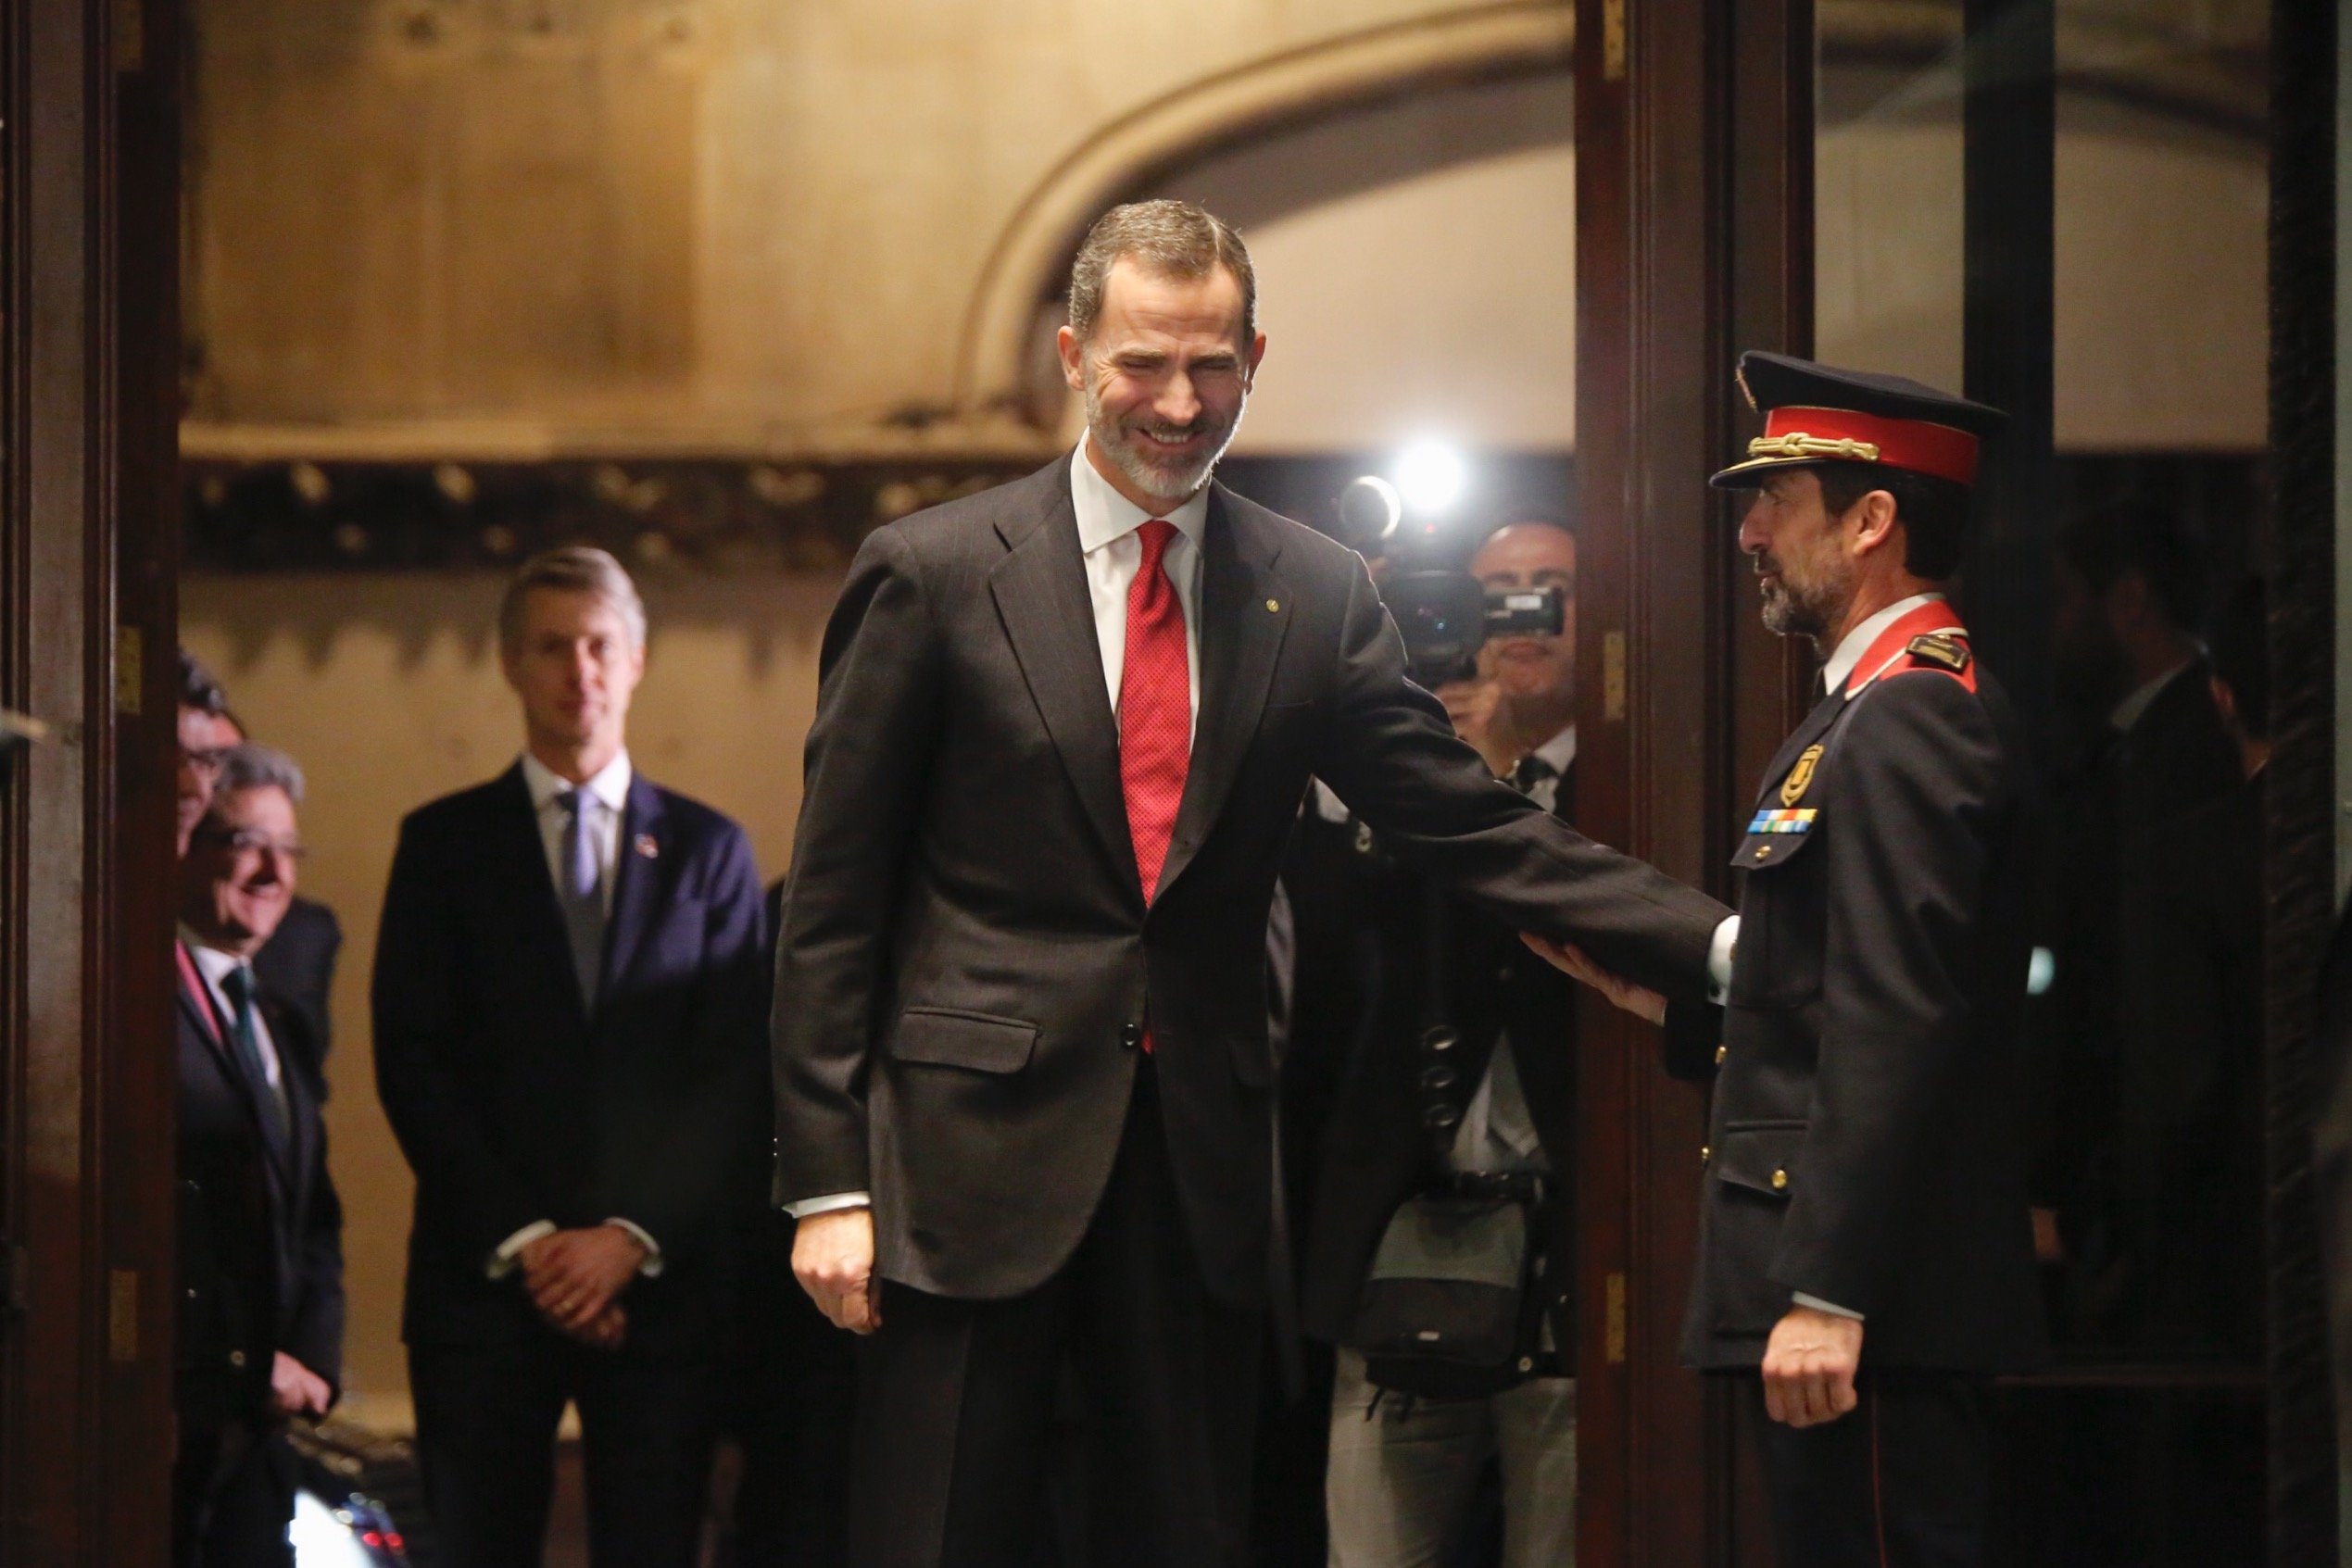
[1393, 757]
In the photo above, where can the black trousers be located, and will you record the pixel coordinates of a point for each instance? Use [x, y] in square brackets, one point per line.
[957, 1401]
[486, 1417]
[231, 1497]
[1897, 1483]
[789, 1390]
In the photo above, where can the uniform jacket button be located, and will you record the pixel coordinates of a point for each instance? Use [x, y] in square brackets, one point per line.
[1721, 1052]
[1780, 1181]
[1131, 1037]
[237, 1358]
[1706, 1152]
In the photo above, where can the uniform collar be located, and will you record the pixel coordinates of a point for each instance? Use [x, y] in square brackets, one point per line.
[610, 784]
[1855, 644]
[1105, 516]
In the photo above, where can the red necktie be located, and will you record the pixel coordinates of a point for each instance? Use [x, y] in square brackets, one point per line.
[1155, 707]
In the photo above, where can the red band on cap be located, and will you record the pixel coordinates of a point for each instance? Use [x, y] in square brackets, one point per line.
[1916, 444]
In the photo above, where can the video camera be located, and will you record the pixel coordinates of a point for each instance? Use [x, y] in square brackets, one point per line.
[1445, 616]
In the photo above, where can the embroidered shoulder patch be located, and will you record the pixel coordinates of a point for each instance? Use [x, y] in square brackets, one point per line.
[1940, 648]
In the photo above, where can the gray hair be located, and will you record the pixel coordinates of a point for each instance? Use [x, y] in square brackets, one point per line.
[250, 765]
[577, 568]
[1172, 238]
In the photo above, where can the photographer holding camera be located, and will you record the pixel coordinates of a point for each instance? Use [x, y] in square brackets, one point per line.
[1457, 1108]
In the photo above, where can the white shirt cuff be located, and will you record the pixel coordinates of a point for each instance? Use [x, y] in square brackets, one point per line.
[651, 1267]
[509, 1257]
[826, 1204]
[1799, 1298]
[1720, 952]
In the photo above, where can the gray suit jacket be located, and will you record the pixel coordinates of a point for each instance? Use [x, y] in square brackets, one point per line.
[967, 965]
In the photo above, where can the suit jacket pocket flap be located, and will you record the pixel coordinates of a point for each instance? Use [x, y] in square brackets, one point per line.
[950, 1038]
[1760, 1155]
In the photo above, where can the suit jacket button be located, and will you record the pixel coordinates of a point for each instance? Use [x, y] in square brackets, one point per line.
[1131, 1037]
[1780, 1181]
[1720, 1053]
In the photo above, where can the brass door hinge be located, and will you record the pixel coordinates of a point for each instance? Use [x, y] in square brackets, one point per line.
[1615, 1320]
[129, 670]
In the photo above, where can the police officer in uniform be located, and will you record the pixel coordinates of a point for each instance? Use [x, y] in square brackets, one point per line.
[1865, 1253]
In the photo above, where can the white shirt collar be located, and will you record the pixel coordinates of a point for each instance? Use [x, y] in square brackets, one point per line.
[1559, 752]
[2133, 708]
[609, 783]
[214, 963]
[1106, 516]
[1857, 642]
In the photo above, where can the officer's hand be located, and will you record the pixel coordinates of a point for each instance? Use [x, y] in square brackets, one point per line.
[833, 1258]
[1808, 1366]
[1639, 1001]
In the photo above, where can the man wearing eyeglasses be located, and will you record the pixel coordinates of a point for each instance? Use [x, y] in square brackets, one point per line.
[260, 1250]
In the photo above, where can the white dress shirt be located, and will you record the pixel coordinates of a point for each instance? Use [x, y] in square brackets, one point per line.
[1113, 552]
[216, 966]
[607, 797]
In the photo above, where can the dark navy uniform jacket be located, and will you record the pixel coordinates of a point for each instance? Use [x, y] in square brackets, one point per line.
[1866, 1143]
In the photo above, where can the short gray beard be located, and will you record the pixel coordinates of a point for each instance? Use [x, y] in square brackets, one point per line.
[1154, 480]
[1808, 612]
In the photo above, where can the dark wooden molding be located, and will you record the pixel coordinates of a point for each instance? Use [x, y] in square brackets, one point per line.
[88, 399]
[1694, 151]
[2302, 799]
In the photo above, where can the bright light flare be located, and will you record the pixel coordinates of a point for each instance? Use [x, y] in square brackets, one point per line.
[1431, 476]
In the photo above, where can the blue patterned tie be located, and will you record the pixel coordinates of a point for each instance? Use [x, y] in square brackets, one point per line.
[581, 894]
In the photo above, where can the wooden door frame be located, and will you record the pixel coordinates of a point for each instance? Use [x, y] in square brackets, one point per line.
[1694, 240]
[89, 409]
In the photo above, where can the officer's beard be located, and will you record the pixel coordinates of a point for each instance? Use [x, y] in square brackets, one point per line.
[1809, 602]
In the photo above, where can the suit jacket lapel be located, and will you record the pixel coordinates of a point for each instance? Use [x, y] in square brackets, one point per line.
[639, 877]
[1041, 597]
[1244, 611]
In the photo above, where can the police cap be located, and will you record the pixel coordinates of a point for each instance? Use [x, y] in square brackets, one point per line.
[1815, 414]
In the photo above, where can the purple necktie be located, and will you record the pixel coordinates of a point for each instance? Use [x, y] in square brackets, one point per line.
[581, 894]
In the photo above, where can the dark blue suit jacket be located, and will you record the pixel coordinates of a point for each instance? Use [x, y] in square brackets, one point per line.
[513, 1104]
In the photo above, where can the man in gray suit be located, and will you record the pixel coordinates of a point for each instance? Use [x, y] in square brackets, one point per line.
[1022, 1082]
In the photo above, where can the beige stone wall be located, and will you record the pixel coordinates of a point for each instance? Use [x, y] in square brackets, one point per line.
[639, 217]
[386, 689]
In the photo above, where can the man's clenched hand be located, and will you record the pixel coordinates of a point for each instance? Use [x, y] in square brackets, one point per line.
[833, 1258]
[1808, 1366]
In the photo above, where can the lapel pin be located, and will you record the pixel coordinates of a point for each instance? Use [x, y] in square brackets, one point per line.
[646, 846]
[1272, 605]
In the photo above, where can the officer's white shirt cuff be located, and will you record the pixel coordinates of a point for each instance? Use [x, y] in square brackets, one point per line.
[1799, 1298]
[1719, 951]
[827, 1204]
[651, 1266]
[509, 1257]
